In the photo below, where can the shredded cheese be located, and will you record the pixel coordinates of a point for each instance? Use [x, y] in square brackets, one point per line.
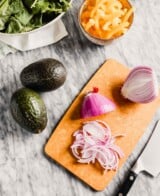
[106, 19]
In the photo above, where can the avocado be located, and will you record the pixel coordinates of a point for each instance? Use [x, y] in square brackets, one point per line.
[44, 75]
[28, 110]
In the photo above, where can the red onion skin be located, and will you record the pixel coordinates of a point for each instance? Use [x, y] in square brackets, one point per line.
[95, 104]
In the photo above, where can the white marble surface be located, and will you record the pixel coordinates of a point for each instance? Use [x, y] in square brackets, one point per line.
[24, 169]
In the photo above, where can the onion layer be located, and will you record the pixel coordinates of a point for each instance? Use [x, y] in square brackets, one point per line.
[94, 142]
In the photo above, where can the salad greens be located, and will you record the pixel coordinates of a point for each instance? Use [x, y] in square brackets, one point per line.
[18, 16]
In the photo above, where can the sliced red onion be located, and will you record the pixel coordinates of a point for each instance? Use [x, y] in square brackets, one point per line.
[94, 142]
[95, 104]
[141, 85]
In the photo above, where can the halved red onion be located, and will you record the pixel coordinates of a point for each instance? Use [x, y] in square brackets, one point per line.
[95, 104]
[141, 85]
[94, 142]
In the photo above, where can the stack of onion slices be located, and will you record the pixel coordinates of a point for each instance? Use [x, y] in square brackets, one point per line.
[94, 142]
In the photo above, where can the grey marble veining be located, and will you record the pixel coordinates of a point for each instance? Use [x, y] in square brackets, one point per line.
[24, 169]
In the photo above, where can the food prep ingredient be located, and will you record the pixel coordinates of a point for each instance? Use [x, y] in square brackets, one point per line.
[94, 142]
[141, 85]
[18, 16]
[95, 104]
[106, 19]
[44, 75]
[28, 110]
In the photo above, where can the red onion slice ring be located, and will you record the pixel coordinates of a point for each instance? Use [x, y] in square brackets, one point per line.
[94, 142]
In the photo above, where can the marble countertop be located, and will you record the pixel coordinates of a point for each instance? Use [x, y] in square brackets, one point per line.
[24, 169]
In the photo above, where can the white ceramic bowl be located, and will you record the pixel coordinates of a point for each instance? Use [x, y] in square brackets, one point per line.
[44, 35]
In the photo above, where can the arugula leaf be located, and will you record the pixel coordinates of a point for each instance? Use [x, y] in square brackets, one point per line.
[14, 26]
[16, 6]
[29, 3]
[36, 21]
[24, 17]
[4, 13]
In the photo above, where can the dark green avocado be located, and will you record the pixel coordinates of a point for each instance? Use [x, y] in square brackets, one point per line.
[28, 110]
[44, 75]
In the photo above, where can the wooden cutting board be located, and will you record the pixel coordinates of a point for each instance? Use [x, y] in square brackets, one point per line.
[129, 118]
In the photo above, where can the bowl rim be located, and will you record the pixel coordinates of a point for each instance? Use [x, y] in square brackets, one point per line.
[39, 28]
[97, 38]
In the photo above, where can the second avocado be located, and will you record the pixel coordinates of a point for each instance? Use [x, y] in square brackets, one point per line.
[29, 110]
[44, 75]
